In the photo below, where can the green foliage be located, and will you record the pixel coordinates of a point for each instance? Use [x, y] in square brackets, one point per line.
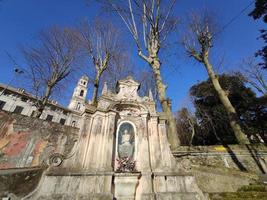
[212, 118]
[260, 11]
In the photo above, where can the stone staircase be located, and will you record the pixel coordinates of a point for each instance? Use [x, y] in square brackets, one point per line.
[249, 192]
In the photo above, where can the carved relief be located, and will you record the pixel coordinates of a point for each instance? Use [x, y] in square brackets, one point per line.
[128, 89]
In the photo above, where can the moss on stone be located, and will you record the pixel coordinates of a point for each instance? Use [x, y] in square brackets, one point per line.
[255, 188]
[248, 192]
[239, 196]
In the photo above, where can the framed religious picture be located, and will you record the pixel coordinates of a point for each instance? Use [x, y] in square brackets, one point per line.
[126, 140]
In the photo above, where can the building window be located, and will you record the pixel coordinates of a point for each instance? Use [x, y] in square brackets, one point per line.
[62, 121]
[53, 108]
[73, 123]
[33, 113]
[82, 93]
[83, 82]
[18, 110]
[2, 104]
[65, 112]
[78, 107]
[24, 99]
[49, 118]
[7, 93]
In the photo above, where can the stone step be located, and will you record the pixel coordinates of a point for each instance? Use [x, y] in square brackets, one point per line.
[159, 196]
[177, 196]
[75, 196]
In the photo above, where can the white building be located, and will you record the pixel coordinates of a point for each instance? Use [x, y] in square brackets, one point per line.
[17, 100]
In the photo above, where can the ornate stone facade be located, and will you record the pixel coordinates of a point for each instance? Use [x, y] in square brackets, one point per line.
[119, 151]
[122, 126]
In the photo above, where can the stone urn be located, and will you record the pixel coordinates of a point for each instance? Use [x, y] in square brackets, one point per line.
[125, 185]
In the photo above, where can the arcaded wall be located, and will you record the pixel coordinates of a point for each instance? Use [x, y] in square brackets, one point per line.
[28, 142]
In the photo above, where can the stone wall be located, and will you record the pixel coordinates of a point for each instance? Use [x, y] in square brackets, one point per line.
[29, 142]
[16, 183]
[250, 158]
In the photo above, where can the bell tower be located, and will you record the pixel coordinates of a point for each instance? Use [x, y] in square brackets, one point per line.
[79, 95]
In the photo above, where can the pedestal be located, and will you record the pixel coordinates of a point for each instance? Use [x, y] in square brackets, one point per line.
[125, 185]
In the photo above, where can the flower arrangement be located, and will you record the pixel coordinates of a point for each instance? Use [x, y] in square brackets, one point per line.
[126, 164]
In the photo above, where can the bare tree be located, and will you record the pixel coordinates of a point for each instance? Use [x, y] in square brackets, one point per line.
[148, 83]
[101, 40]
[121, 66]
[186, 124]
[50, 63]
[198, 43]
[253, 73]
[149, 23]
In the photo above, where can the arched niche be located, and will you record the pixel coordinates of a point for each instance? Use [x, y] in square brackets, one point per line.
[126, 140]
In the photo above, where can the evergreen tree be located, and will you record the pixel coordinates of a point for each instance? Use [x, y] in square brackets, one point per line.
[212, 116]
[260, 11]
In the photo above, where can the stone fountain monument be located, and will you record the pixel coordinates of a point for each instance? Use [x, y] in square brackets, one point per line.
[122, 153]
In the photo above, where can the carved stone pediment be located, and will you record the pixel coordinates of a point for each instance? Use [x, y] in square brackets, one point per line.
[130, 109]
[128, 89]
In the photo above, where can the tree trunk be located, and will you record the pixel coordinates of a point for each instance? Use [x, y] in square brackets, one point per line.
[43, 102]
[161, 89]
[96, 86]
[39, 112]
[233, 118]
[193, 131]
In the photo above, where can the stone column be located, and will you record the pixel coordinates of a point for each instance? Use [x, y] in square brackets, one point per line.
[143, 151]
[77, 155]
[168, 161]
[90, 157]
[154, 144]
[105, 159]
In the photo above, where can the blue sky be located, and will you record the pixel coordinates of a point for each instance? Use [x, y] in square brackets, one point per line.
[21, 20]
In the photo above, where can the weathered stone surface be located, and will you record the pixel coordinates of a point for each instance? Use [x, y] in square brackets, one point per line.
[76, 197]
[28, 142]
[221, 180]
[18, 182]
[250, 192]
[67, 186]
[125, 185]
[251, 158]
[178, 196]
